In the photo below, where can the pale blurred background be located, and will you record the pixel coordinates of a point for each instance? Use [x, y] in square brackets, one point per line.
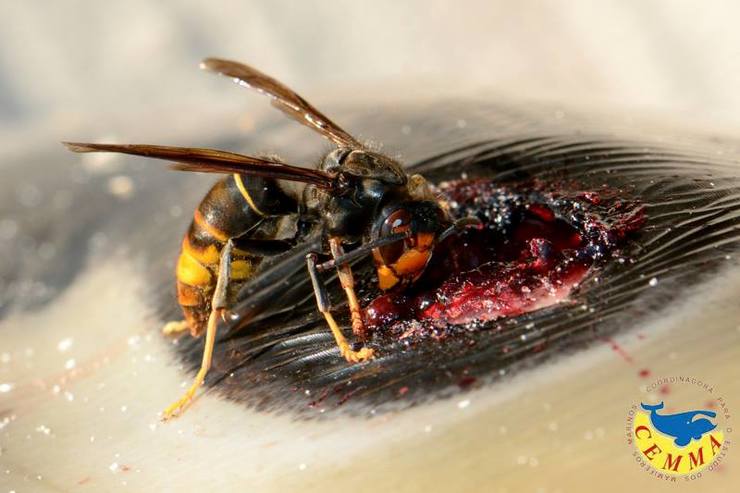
[91, 68]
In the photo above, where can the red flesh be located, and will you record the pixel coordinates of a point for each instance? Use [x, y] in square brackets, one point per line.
[527, 257]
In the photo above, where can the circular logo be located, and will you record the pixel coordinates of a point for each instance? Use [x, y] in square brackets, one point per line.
[680, 430]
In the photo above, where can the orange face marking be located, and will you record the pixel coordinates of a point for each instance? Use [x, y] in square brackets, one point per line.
[386, 278]
[411, 262]
[414, 260]
[409, 265]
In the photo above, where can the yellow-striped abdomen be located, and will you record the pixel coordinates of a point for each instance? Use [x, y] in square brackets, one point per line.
[229, 211]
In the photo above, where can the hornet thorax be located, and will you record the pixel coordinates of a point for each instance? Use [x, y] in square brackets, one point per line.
[366, 180]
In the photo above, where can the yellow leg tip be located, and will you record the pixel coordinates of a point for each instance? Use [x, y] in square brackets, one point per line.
[175, 327]
[345, 349]
[178, 408]
[175, 410]
[363, 354]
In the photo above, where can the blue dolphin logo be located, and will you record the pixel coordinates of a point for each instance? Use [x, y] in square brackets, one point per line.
[681, 426]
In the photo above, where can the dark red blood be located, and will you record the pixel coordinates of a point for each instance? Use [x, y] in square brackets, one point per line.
[347, 395]
[664, 389]
[543, 212]
[591, 197]
[384, 310]
[322, 397]
[540, 346]
[619, 350]
[466, 381]
[534, 249]
[499, 290]
[644, 373]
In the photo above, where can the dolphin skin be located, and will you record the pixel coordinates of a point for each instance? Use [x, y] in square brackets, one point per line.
[681, 426]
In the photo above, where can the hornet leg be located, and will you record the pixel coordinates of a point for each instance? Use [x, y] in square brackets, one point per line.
[322, 300]
[218, 307]
[175, 327]
[348, 284]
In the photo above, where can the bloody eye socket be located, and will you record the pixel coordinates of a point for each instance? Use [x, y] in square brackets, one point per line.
[397, 221]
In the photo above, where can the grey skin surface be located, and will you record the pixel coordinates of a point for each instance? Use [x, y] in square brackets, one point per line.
[93, 246]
